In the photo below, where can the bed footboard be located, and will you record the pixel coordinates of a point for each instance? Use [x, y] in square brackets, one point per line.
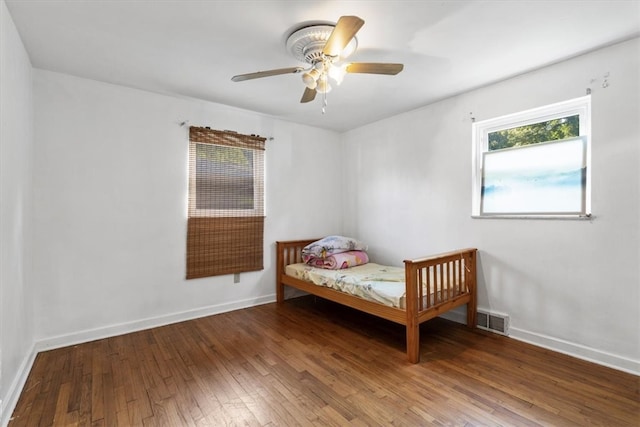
[435, 285]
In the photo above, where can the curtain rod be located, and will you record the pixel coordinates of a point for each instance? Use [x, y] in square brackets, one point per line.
[186, 122]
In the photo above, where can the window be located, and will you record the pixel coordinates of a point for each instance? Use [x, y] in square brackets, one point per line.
[534, 163]
[226, 203]
[225, 181]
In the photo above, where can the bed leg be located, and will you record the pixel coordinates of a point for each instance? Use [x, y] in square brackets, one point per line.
[279, 293]
[472, 305]
[413, 342]
[280, 261]
[471, 314]
[413, 326]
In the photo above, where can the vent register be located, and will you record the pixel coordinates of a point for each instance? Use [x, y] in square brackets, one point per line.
[493, 322]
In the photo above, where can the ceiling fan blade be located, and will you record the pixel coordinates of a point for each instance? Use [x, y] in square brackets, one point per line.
[308, 95]
[374, 68]
[345, 29]
[269, 73]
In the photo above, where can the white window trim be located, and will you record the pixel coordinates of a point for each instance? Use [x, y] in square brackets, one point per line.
[258, 196]
[480, 131]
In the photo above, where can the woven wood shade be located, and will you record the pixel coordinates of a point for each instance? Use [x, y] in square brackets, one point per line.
[226, 203]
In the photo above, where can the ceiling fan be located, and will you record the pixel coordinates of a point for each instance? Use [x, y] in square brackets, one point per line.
[323, 47]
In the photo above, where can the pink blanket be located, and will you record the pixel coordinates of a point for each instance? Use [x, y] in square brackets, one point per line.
[338, 261]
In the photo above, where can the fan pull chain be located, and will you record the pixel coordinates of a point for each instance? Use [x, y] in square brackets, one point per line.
[324, 102]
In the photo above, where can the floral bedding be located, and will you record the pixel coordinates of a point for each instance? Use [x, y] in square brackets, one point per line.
[332, 245]
[338, 261]
[373, 282]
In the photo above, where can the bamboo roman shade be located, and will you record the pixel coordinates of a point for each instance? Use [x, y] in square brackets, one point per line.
[226, 203]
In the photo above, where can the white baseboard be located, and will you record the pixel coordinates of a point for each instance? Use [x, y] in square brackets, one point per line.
[152, 322]
[577, 350]
[561, 346]
[13, 394]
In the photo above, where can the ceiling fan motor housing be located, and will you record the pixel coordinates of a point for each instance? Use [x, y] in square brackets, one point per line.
[307, 43]
[313, 52]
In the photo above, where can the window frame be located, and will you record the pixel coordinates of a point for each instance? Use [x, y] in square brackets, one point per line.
[480, 130]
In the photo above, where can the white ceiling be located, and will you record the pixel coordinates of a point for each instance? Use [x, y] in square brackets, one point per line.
[193, 47]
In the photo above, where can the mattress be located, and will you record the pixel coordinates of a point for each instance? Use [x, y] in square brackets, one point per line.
[374, 282]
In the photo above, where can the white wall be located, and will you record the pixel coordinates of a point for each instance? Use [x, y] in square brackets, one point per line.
[569, 285]
[110, 206]
[16, 150]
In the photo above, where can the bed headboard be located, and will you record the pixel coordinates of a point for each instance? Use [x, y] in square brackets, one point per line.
[287, 252]
[290, 251]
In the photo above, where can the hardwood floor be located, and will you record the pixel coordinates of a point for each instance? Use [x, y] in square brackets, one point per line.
[311, 362]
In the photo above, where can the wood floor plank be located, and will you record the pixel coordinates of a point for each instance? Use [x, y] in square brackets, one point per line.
[52, 387]
[62, 403]
[312, 362]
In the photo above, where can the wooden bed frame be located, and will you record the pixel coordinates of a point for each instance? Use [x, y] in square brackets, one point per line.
[418, 308]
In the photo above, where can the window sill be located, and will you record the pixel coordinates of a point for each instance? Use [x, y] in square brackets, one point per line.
[587, 217]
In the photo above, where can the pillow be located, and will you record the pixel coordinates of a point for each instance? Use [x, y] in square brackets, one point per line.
[332, 245]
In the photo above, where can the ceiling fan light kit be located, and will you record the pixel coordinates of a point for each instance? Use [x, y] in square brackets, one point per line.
[322, 85]
[322, 47]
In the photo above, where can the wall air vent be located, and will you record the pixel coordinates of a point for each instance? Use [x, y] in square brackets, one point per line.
[498, 323]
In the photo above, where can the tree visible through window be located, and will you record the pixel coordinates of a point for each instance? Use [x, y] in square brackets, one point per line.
[550, 130]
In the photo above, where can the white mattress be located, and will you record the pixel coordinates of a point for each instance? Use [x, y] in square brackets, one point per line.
[374, 282]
